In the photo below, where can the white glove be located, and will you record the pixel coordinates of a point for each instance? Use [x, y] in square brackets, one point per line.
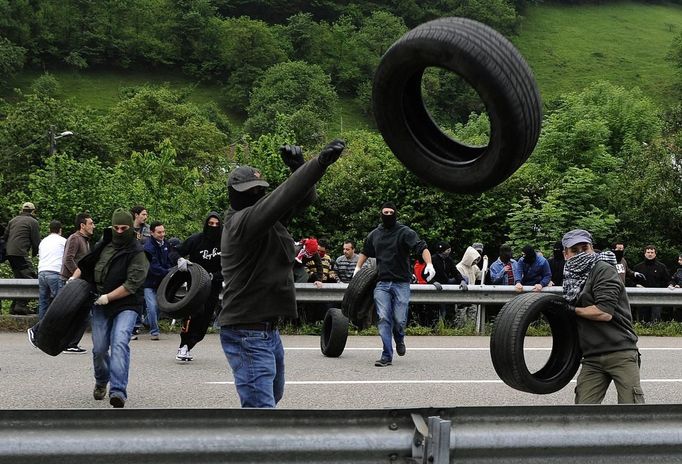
[182, 264]
[102, 300]
[429, 272]
[355, 271]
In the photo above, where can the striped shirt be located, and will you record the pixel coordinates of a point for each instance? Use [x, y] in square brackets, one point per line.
[345, 267]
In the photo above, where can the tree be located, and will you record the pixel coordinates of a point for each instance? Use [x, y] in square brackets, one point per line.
[301, 93]
[148, 115]
[12, 59]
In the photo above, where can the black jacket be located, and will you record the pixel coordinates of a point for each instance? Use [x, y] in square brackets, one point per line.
[392, 247]
[203, 247]
[657, 275]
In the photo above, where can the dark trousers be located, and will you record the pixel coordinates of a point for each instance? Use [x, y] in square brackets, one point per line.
[195, 326]
[22, 269]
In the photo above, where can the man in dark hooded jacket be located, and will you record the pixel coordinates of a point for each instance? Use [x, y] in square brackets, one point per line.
[202, 248]
[556, 264]
[257, 259]
[531, 269]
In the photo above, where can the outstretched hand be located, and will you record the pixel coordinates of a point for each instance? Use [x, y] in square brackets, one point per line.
[331, 152]
[292, 156]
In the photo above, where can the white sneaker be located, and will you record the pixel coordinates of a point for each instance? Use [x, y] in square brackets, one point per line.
[183, 354]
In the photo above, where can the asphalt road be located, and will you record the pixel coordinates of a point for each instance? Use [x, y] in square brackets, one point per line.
[436, 372]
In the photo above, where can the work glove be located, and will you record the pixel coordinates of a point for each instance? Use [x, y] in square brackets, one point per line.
[429, 272]
[463, 286]
[331, 153]
[182, 264]
[102, 300]
[640, 276]
[292, 155]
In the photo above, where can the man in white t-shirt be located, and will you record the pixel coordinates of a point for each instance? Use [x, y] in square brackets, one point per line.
[50, 254]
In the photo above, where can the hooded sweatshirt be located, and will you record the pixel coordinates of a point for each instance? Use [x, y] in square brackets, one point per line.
[470, 271]
[203, 248]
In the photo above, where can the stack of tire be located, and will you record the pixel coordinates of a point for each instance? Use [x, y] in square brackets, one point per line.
[357, 307]
[507, 340]
[181, 291]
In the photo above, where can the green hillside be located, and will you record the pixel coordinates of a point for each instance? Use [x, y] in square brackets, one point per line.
[569, 47]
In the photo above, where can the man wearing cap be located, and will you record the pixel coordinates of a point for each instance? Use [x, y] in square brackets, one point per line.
[257, 255]
[391, 244]
[117, 268]
[596, 295]
[21, 236]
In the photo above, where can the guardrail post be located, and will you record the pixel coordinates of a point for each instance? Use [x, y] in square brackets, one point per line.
[437, 450]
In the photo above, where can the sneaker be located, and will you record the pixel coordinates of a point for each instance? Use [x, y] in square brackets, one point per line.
[99, 392]
[153, 337]
[400, 348]
[75, 350]
[382, 362]
[31, 337]
[117, 401]
[183, 354]
[136, 330]
[133, 337]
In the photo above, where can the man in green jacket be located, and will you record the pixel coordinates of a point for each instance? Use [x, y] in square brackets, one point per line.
[22, 236]
[596, 294]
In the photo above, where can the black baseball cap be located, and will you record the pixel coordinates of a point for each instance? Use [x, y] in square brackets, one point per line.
[244, 178]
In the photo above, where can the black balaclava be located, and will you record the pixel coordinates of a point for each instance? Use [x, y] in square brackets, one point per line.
[389, 220]
[241, 200]
[558, 251]
[619, 254]
[213, 233]
[529, 254]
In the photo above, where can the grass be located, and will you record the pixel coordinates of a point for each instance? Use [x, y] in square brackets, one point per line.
[571, 46]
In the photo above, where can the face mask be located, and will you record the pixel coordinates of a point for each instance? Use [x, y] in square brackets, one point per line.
[505, 257]
[123, 238]
[529, 258]
[619, 254]
[321, 253]
[558, 254]
[213, 233]
[388, 220]
[241, 200]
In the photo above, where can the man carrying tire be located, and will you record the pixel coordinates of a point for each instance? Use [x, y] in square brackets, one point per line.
[257, 259]
[391, 244]
[596, 294]
[117, 267]
[202, 248]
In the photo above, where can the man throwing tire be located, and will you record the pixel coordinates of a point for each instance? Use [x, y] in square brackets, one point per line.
[391, 244]
[257, 258]
[597, 295]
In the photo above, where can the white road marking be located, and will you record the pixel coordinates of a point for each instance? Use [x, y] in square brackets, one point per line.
[313, 348]
[411, 382]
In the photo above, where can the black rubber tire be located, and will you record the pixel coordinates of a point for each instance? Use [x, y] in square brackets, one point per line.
[64, 317]
[501, 77]
[509, 331]
[334, 333]
[358, 299]
[171, 297]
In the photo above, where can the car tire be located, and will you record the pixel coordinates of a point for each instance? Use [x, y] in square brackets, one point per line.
[358, 299]
[509, 331]
[500, 76]
[65, 317]
[179, 292]
[334, 333]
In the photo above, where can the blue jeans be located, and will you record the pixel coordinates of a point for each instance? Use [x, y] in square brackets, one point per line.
[112, 332]
[152, 310]
[391, 300]
[49, 283]
[256, 358]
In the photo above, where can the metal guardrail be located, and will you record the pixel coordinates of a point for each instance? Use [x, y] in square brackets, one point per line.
[476, 294]
[537, 434]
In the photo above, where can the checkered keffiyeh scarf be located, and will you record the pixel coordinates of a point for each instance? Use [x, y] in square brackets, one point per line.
[578, 268]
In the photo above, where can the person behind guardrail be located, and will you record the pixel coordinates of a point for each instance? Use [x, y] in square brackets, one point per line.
[556, 265]
[676, 279]
[391, 244]
[597, 296]
[21, 237]
[158, 251]
[257, 258]
[117, 267]
[345, 264]
[202, 248]
[446, 271]
[626, 274]
[532, 269]
[468, 268]
[652, 274]
[502, 270]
